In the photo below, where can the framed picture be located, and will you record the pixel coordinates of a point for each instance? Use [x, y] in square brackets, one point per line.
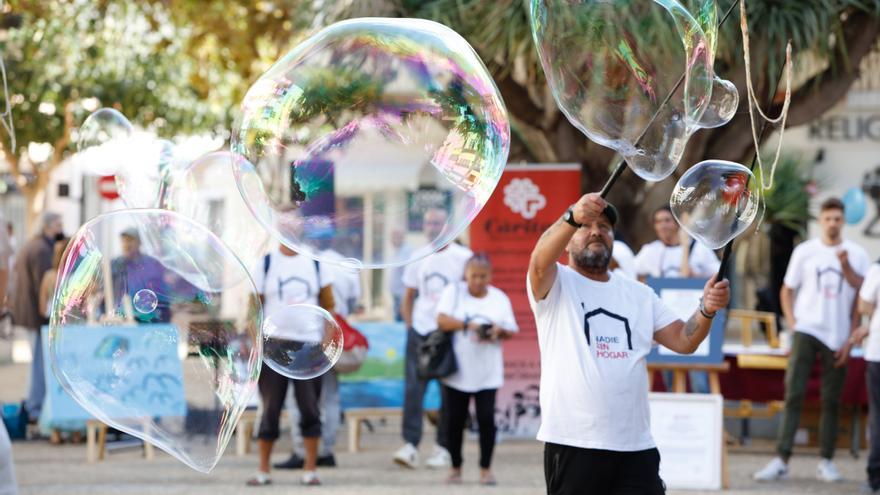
[682, 295]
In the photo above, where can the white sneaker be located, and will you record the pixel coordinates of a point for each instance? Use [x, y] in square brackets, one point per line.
[776, 469]
[826, 471]
[407, 456]
[440, 458]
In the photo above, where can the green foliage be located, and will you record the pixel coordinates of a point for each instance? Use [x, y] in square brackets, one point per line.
[125, 54]
[788, 201]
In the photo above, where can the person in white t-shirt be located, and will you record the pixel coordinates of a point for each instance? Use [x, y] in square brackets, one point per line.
[285, 277]
[869, 306]
[674, 254]
[425, 280]
[346, 294]
[595, 329]
[624, 261]
[818, 300]
[402, 252]
[481, 316]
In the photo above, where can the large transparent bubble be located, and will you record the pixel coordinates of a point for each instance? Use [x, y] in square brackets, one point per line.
[163, 345]
[145, 173]
[610, 65]
[725, 97]
[363, 130]
[715, 201]
[207, 192]
[103, 141]
[722, 107]
[301, 341]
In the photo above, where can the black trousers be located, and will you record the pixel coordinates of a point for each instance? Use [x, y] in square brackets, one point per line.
[457, 405]
[575, 471]
[873, 373]
[273, 391]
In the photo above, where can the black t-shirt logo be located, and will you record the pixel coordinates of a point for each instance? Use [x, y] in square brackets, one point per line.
[829, 281]
[609, 335]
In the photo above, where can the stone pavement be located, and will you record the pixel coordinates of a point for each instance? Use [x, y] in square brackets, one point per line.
[44, 469]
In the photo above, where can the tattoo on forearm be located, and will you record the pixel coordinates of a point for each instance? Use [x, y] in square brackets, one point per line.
[552, 228]
[690, 328]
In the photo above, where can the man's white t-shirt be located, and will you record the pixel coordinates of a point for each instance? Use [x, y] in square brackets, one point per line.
[291, 280]
[656, 259]
[824, 300]
[594, 337]
[480, 363]
[429, 276]
[346, 284]
[870, 292]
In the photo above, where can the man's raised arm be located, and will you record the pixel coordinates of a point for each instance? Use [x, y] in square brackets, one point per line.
[551, 245]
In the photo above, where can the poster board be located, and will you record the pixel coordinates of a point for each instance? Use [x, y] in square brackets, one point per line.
[380, 381]
[528, 200]
[689, 432]
[682, 296]
[152, 380]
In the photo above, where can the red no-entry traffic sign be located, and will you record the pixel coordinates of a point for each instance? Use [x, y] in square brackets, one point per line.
[107, 187]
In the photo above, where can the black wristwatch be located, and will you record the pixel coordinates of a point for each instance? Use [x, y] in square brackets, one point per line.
[569, 218]
[705, 313]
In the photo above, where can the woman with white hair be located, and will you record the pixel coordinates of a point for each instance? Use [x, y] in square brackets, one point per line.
[480, 316]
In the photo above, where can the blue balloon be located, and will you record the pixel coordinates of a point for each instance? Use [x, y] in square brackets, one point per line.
[855, 205]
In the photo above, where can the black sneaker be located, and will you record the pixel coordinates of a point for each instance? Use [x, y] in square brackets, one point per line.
[327, 461]
[295, 462]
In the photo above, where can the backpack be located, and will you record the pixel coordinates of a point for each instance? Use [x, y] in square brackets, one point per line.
[354, 343]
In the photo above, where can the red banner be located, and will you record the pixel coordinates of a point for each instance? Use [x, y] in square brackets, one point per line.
[526, 202]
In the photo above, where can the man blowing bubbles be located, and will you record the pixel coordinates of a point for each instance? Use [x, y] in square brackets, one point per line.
[595, 329]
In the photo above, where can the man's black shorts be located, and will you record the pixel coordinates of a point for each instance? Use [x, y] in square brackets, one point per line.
[576, 471]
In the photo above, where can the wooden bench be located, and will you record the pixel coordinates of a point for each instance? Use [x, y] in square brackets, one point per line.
[96, 441]
[244, 431]
[354, 417]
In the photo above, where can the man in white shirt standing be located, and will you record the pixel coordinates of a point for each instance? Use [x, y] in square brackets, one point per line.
[674, 254]
[818, 300]
[402, 252]
[595, 329]
[425, 281]
[346, 294]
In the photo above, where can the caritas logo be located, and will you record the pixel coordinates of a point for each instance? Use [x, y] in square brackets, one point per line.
[523, 196]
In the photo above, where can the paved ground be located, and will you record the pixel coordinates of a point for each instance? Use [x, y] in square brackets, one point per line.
[45, 469]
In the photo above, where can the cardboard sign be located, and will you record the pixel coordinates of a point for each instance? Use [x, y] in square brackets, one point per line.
[137, 365]
[688, 430]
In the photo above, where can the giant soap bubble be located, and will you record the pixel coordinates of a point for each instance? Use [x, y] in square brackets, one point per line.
[363, 129]
[162, 344]
[611, 64]
[206, 191]
[301, 341]
[725, 97]
[145, 173]
[104, 141]
[715, 201]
